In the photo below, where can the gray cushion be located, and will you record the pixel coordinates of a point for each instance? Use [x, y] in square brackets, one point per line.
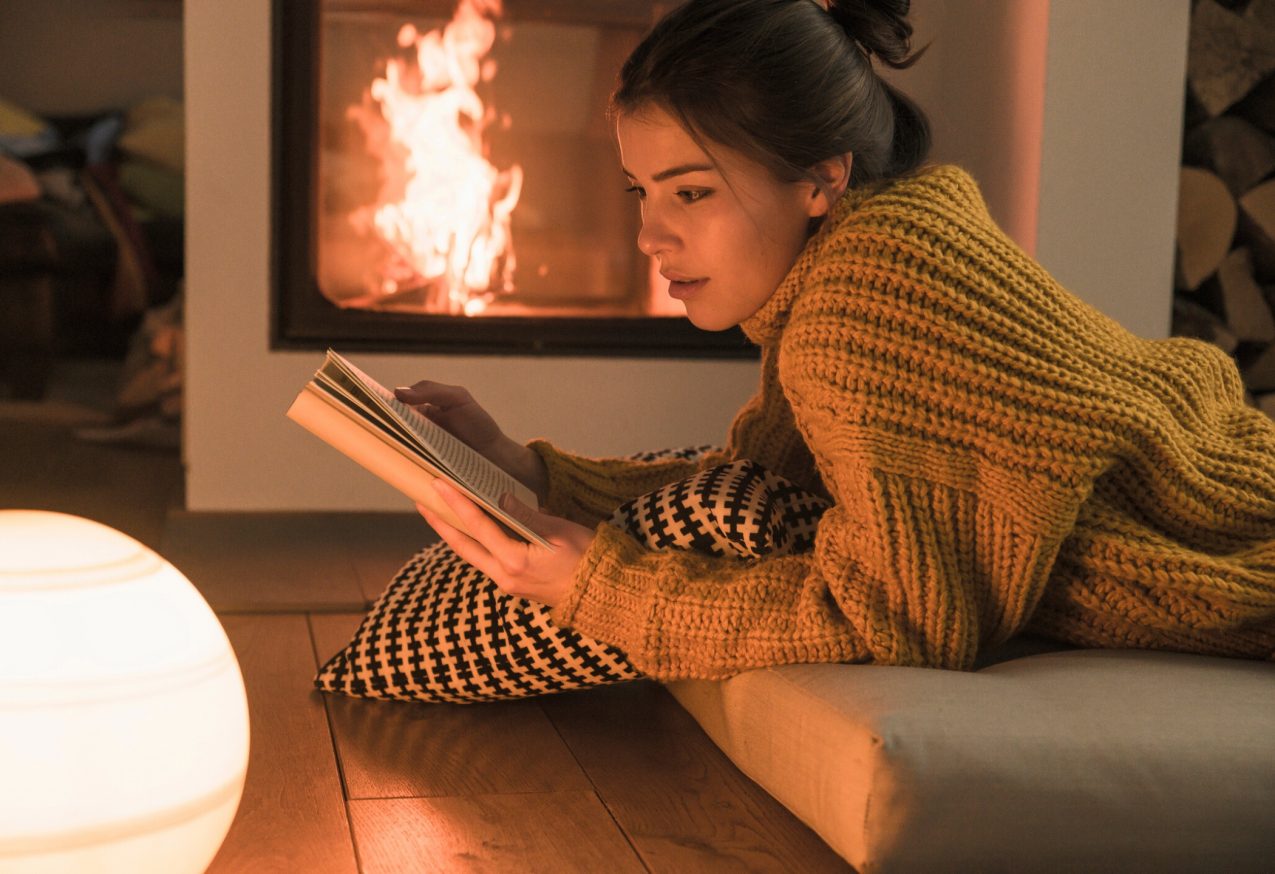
[1059, 761]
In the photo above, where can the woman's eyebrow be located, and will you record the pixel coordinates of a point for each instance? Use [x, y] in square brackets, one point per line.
[679, 170]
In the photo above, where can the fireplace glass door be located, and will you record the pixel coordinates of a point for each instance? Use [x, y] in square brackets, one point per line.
[447, 180]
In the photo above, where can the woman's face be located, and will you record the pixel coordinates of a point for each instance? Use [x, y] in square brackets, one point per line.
[724, 231]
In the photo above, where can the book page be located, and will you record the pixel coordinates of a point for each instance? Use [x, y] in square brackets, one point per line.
[468, 467]
[373, 412]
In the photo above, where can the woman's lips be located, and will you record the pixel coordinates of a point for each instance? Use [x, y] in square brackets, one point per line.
[681, 289]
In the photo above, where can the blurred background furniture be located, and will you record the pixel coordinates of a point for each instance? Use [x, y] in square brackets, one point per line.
[91, 234]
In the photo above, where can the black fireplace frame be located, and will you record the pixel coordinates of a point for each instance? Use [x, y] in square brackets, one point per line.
[302, 318]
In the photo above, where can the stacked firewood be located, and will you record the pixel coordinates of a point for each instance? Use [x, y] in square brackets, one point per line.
[1225, 277]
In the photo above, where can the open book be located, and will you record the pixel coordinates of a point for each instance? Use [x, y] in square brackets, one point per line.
[354, 413]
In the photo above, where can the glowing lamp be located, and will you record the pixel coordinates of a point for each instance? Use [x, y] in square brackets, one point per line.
[123, 720]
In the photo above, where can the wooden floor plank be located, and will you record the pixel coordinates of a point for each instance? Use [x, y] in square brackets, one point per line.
[552, 832]
[679, 800]
[330, 632]
[381, 543]
[292, 817]
[396, 749]
[683, 804]
[268, 562]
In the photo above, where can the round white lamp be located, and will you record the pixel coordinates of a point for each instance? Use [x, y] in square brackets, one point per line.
[123, 720]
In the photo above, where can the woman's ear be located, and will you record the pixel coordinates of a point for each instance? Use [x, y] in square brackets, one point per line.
[831, 177]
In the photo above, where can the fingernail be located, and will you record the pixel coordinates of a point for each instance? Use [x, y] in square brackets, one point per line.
[403, 388]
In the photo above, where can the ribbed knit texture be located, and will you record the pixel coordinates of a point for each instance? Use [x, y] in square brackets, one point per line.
[1001, 457]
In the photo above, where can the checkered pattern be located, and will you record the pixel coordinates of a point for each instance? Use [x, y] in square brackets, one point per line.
[443, 631]
[738, 510]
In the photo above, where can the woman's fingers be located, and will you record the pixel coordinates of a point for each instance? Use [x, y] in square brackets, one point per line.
[544, 575]
[435, 393]
[508, 552]
[453, 409]
[461, 543]
[518, 510]
[537, 522]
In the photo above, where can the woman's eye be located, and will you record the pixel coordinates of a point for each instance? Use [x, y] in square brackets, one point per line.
[688, 195]
[691, 195]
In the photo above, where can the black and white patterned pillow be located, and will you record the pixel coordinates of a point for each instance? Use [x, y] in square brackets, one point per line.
[443, 631]
[738, 510]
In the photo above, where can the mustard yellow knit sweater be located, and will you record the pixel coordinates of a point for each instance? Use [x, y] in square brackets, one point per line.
[1000, 457]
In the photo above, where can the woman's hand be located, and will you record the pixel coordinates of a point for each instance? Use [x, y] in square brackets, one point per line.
[527, 570]
[454, 409]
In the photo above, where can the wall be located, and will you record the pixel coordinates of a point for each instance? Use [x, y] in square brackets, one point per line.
[1070, 116]
[1115, 86]
[69, 57]
[982, 84]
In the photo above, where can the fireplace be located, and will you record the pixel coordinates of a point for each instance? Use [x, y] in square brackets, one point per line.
[446, 182]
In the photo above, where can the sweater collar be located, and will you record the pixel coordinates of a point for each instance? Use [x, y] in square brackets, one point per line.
[765, 325]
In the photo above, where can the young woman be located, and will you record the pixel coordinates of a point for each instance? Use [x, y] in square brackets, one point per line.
[999, 456]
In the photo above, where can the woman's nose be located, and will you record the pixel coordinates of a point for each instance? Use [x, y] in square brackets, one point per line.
[655, 235]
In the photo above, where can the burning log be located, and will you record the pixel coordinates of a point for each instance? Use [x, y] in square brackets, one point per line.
[444, 211]
[1206, 226]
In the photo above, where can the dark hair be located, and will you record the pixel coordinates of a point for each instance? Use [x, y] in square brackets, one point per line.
[784, 82]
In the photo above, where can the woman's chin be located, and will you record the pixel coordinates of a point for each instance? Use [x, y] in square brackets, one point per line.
[709, 321]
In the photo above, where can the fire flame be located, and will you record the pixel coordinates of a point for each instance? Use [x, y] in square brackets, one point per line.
[444, 210]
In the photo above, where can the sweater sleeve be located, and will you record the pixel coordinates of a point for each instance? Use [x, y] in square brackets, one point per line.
[683, 615]
[910, 568]
[587, 490]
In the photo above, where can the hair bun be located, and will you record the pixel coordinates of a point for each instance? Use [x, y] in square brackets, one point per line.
[879, 27]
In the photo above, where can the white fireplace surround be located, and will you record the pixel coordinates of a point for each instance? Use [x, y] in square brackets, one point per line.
[1068, 113]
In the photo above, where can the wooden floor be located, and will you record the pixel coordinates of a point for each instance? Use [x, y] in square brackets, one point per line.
[615, 779]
